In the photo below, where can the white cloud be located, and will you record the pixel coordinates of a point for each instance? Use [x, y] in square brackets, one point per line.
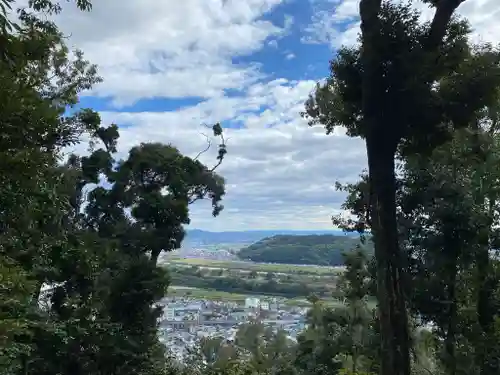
[148, 48]
[280, 172]
[336, 22]
[281, 176]
[273, 43]
[483, 16]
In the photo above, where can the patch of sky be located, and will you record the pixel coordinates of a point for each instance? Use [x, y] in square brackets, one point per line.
[233, 93]
[143, 105]
[232, 124]
[287, 56]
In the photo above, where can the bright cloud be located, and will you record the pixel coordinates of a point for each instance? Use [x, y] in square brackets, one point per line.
[249, 64]
[336, 22]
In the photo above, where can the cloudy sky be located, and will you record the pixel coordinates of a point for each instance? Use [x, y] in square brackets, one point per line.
[170, 66]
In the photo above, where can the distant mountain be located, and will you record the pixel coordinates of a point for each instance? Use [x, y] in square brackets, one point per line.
[323, 249]
[201, 237]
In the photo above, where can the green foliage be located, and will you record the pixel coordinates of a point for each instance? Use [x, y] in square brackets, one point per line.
[418, 91]
[15, 307]
[255, 350]
[56, 230]
[344, 338]
[324, 250]
[405, 90]
[284, 285]
[447, 211]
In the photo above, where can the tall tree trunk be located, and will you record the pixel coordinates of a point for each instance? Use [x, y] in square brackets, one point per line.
[382, 142]
[395, 341]
[381, 148]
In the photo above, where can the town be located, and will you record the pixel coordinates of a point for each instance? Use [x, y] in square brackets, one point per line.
[186, 320]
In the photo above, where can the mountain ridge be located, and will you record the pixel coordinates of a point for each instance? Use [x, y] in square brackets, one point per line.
[204, 237]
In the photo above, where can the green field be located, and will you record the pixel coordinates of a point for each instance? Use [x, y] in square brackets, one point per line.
[258, 267]
[215, 295]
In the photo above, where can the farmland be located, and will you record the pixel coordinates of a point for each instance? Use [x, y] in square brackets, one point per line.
[257, 267]
[280, 280]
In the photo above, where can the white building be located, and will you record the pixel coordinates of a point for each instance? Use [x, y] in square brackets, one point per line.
[264, 305]
[252, 303]
[169, 313]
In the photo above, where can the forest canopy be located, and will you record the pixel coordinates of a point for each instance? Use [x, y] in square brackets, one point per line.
[323, 250]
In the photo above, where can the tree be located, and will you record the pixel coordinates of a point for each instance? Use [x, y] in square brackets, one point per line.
[452, 230]
[15, 308]
[440, 235]
[139, 216]
[342, 339]
[401, 91]
[30, 14]
[441, 225]
[100, 261]
[38, 82]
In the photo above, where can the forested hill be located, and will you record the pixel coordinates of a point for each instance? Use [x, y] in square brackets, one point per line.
[202, 237]
[311, 249]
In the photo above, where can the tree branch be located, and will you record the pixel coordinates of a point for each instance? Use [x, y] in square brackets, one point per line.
[439, 24]
[217, 129]
[209, 144]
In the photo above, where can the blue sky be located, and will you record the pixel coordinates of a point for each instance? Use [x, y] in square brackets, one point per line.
[169, 67]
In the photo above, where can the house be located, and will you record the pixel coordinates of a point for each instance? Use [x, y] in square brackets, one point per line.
[252, 303]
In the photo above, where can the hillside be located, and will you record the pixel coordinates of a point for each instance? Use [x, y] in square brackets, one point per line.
[202, 237]
[325, 249]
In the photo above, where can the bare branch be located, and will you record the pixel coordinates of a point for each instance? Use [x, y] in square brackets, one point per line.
[217, 130]
[222, 148]
[209, 144]
[222, 145]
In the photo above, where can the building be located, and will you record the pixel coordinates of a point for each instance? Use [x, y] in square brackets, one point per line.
[169, 313]
[264, 305]
[252, 303]
[239, 315]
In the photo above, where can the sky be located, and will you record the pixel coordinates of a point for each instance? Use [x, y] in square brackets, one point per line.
[168, 67]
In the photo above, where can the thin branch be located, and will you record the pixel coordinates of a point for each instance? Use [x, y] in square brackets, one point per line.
[221, 145]
[209, 144]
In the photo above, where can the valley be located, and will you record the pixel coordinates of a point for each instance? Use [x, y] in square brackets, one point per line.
[217, 271]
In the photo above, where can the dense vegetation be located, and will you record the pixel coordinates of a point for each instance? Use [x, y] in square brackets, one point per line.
[266, 283]
[96, 246]
[244, 266]
[324, 250]
[418, 93]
